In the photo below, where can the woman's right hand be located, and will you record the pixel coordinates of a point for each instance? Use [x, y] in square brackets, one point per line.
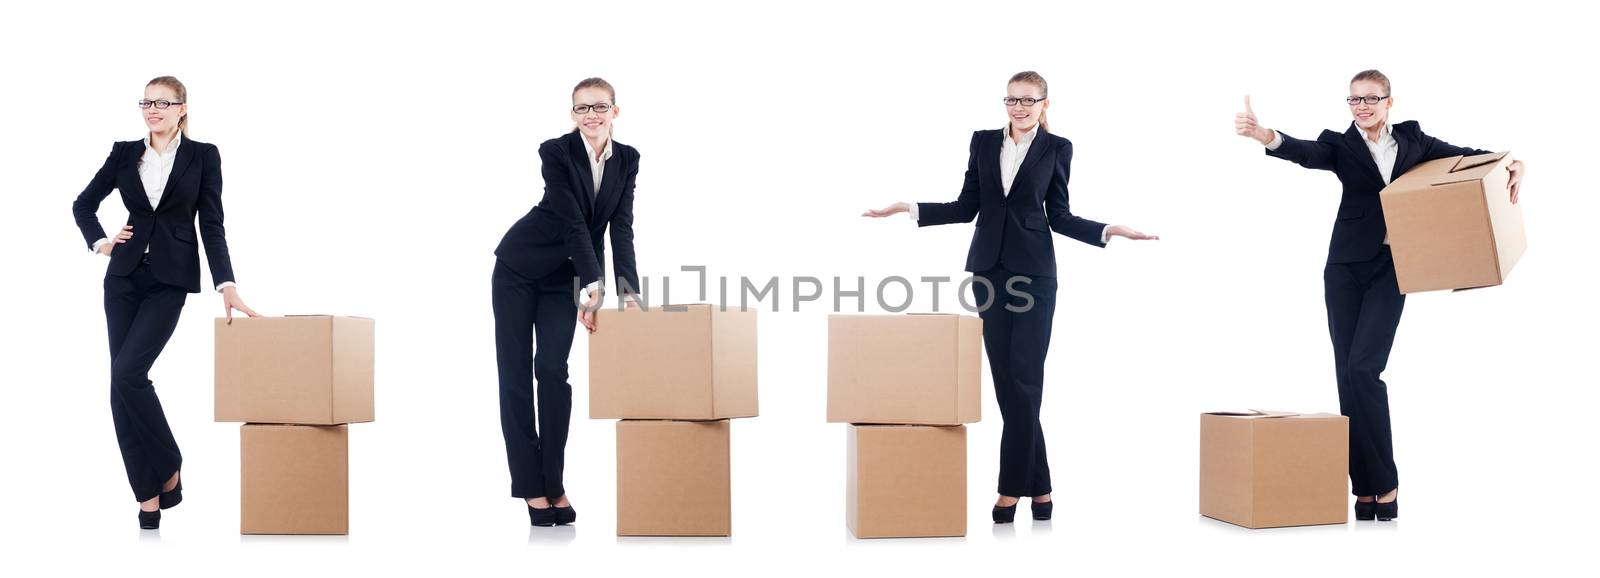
[122, 237]
[1245, 124]
[587, 311]
[887, 211]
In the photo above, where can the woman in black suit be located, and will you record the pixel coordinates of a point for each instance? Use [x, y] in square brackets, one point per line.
[541, 263]
[1362, 296]
[166, 181]
[1016, 188]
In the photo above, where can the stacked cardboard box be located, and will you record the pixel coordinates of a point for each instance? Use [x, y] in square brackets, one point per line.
[1266, 469]
[1452, 224]
[673, 377]
[295, 382]
[906, 384]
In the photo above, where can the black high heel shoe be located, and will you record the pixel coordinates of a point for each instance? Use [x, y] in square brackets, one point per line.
[1005, 515]
[1041, 510]
[1366, 510]
[174, 497]
[1387, 510]
[149, 520]
[565, 515]
[542, 517]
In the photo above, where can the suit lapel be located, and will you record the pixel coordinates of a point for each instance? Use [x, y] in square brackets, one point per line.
[134, 184]
[1402, 158]
[580, 158]
[990, 160]
[180, 164]
[1358, 146]
[1035, 151]
[610, 181]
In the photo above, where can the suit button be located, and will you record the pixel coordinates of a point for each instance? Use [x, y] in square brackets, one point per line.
[1002, 204]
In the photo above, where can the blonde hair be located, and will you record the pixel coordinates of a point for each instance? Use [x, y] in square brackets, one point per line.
[596, 82]
[176, 85]
[1031, 77]
[1375, 76]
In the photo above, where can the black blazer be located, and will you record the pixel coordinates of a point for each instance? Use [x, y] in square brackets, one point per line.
[1359, 230]
[1015, 228]
[194, 188]
[570, 222]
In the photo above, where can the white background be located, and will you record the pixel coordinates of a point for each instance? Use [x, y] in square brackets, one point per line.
[375, 153]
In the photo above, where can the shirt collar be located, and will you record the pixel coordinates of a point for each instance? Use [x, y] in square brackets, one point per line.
[1027, 137]
[588, 148]
[1384, 136]
[172, 147]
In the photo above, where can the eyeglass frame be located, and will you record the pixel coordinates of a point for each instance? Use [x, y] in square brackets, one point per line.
[1355, 100]
[587, 107]
[146, 104]
[1013, 101]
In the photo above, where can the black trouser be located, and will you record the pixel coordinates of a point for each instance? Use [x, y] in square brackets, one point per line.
[534, 321]
[1364, 305]
[141, 314]
[1016, 343]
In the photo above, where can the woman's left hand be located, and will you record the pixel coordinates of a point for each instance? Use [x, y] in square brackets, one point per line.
[231, 301]
[1517, 171]
[1121, 231]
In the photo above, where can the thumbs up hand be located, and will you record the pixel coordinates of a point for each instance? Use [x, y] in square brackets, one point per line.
[1245, 124]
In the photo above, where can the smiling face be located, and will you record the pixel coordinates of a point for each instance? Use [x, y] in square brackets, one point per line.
[1025, 117]
[593, 124]
[159, 120]
[1370, 116]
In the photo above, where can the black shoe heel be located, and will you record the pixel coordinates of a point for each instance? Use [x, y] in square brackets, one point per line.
[1041, 510]
[149, 520]
[565, 515]
[174, 497]
[1005, 515]
[542, 517]
[1387, 510]
[1366, 510]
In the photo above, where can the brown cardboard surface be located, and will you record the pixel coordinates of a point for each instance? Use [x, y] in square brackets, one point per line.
[904, 369]
[312, 370]
[1452, 225]
[694, 364]
[905, 481]
[673, 478]
[294, 479]
[1272, 469]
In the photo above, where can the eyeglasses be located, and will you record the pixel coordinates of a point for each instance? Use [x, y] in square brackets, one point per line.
[601, 108]
[161, 104]
[1355, 100]
[1028, 101]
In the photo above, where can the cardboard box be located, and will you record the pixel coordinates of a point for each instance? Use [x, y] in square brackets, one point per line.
[1271, 469]
[905, 369]
[1452, 225]
[294, 479]
[311, 369]
[673, 478]
[905, 481]
[694, 363]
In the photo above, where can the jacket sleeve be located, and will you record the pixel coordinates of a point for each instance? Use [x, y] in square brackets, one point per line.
[563, 197]
[1057, 209]
[209, 209]
[88, 201]
[622, 236]
[965, 207]
[1433, 148]
[1317, 154]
